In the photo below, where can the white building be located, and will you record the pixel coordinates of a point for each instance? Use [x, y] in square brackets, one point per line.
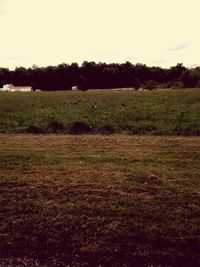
[75, 88]
[12, 88]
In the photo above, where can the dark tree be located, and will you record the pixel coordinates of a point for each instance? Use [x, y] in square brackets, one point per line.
[82, 84]
[189, 78]
[102, 76]
[136, 84]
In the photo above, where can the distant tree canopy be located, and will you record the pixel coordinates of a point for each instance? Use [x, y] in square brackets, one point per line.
[101, 76]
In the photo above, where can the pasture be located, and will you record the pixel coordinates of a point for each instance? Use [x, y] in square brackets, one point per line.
[124, 193]
[100, 199]
[164, 112]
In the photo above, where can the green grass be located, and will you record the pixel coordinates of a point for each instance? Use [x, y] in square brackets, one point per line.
[136, 196]
[167, 112]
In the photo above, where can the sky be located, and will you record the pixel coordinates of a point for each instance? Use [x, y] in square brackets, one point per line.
[51, 32]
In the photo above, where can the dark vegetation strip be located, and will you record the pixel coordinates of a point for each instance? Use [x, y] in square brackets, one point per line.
[94, 76]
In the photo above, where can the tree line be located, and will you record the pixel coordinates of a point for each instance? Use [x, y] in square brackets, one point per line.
[101, 76]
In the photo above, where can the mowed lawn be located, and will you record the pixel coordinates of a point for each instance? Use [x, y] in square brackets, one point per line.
[159, 112]
[116, 197]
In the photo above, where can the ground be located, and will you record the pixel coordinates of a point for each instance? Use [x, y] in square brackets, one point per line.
[99, 199]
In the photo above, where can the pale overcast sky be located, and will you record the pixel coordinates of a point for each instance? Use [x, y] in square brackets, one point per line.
[50, 32]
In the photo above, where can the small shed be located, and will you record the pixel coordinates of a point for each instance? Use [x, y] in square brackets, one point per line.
[75, 88]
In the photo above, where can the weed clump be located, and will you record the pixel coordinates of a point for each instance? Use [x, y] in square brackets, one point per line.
[142, 129]
[80, 127]
[32, 129]
[55, 127]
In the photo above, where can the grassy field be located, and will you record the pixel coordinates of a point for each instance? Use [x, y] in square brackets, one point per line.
[164, 112]
[116, 198]
[104, 200]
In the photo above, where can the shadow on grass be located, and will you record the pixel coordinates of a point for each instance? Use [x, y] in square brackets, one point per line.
[80, 127]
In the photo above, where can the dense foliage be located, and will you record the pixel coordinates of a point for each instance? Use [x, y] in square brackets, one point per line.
[102, 76]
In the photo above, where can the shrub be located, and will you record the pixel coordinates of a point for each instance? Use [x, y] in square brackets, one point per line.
[165, 85]
[142, 129]
[80, 127]
[177, 84]
[55, 127]
[150, 85]
[136, 84]
[198, 84]
[83, 85]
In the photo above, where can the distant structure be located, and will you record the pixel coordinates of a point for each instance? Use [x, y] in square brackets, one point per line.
[75, 88]
[12, 88]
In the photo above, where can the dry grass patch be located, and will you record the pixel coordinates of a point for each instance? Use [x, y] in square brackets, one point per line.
[109, 195]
